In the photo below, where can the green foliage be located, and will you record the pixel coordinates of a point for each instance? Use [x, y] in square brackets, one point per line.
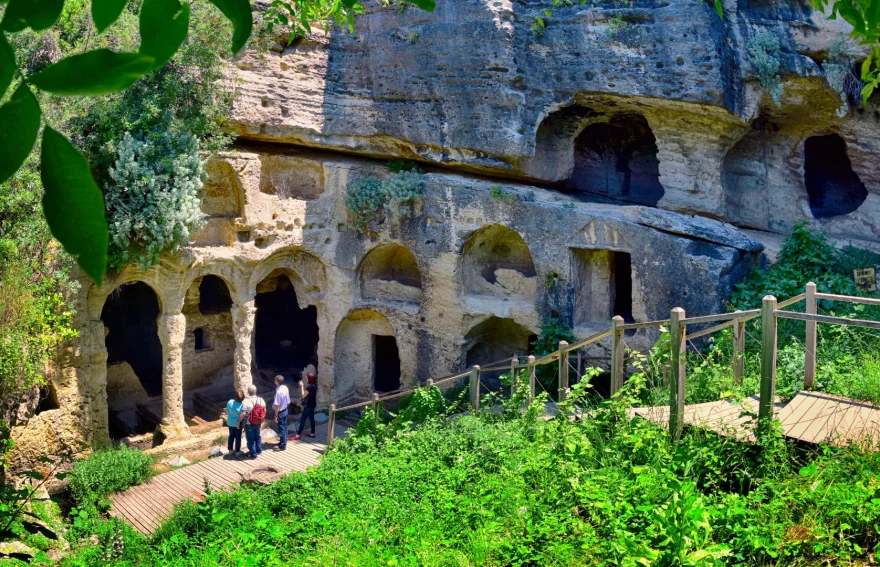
[838, 67]
[94, 479]
[764, 52]
[91, 70]
[553, 330]
[864, 17]
[509, 488]
[497, 193]
[396, 197]
[153, 199]
[398, 165]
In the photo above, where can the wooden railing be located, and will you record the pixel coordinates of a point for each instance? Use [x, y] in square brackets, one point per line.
[677, 323]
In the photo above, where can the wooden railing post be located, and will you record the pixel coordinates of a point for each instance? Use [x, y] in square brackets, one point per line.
[768, 360]
[739, 347]
[677, 359]
[375, 410]
[531, 368]
[331, 423]
[514, 367]
[563, 370]
[475, 387]
[616, 354]
[580, 364]
[810, 343]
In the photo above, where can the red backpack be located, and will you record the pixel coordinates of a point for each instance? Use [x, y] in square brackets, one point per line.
[258, 414]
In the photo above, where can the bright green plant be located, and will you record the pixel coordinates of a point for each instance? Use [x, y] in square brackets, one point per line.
[72, 202]
[104, 472]
[153, 201]
[497, 193]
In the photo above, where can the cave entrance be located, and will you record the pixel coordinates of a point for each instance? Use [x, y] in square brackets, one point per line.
[602, 281]
[386, 364]
[286, 335]
[833, 188]
[493, 340]
[134, 359]
[208, 351]
[618, 159]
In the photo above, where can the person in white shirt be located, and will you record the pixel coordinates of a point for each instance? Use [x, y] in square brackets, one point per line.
[253, 411]
[281, 403]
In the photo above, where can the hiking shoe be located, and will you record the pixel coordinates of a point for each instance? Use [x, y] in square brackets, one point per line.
[310, 434]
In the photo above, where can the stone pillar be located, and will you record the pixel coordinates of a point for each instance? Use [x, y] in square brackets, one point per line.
[96, 386]
[244, 315]
[172, 331]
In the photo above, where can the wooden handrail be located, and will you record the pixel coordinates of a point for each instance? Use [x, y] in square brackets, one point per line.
[710, 330]
[644, 325]
[721, 317]
[591, 339]
[848, 298]
[828, 319]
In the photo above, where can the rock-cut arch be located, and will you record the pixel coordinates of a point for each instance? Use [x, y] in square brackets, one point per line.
[367, 359]
[391, 272]
[497, 262]
[134, 358]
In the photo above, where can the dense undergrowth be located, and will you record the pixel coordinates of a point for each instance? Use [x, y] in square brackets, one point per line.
[512, 489]
[848, 358]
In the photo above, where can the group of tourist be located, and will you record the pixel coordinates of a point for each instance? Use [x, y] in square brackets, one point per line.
[247, 413]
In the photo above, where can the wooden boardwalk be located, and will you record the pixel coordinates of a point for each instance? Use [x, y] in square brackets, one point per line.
[146, 505]
[812, 417]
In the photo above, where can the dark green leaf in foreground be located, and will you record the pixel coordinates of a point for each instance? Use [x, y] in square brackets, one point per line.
[7, 64]
[427, 5]
[105, 12]
[239, 13]
[163, 26]
[73, 204]
[19, 125]
[96, 72]
[36, 14]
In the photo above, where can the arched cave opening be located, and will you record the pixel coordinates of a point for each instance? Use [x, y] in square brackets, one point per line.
[833, 188]
[367, 358]
[391, 272]
[496, 261]
[286, 335]
[134, 360]
[130, 314]
[214, 296]
[618, 159]
[492, 340]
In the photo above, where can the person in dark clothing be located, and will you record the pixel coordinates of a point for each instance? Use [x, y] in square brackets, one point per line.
[310, 400]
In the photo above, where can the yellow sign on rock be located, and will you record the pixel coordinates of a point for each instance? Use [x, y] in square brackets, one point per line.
[866, 279]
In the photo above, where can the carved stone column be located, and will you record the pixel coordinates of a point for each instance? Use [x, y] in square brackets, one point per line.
[172, 331]
[244, 315]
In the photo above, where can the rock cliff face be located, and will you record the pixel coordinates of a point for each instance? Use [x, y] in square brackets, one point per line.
[605, 167]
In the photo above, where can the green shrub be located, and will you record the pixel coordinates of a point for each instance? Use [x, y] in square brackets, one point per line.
[153, 203]
[395, 197]
[105, 472]
[763, 51]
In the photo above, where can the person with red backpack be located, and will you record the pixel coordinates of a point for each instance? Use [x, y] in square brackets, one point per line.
[253, 412]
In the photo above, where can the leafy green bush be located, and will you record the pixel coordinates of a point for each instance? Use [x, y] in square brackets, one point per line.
[396, 197]
[105, 472]
[763, 51]
[511, 488]
[153, 201]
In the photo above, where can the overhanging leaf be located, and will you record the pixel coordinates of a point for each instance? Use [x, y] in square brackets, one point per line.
[7, 64]
[427, 5]
[105, 12]
[95, 72]
[36, 14]
[19, 125]
[239, 13]
[163, 26]
[73, 205]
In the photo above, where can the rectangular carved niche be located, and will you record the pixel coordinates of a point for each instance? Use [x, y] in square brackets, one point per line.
[602, 282]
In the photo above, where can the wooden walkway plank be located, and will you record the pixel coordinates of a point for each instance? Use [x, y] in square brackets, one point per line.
[145, 506]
